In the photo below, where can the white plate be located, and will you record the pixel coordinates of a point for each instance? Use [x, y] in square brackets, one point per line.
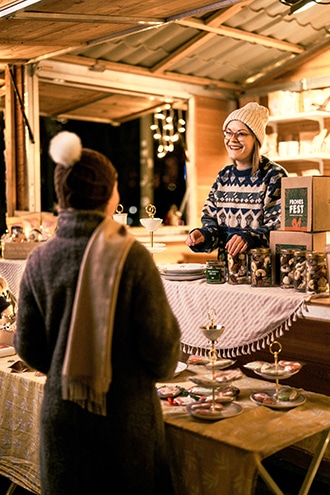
[180, 367]
[166, 391]
[220, 364]
[180, 268]
[282, 375]
[229, 391]
[220, 381]
[203, 411]
[183, 277]
[281, 404]
[158, 247]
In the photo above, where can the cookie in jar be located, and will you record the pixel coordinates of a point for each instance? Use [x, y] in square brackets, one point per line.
[316, 274]
[261, 267]
[299, 274]
[238, 269]
[286, 268]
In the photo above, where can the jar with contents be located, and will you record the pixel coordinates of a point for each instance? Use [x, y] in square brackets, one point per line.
[238, 269]
[316, 272]
[299, 275]
[286, 268]
[215, 272]
[261, 267]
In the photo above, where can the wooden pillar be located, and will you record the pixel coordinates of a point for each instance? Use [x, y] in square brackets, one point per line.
[146, 164]
[15, 152]
[22, 148]
[209, 154]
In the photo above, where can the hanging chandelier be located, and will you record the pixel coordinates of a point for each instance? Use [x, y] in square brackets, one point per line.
[168, 127]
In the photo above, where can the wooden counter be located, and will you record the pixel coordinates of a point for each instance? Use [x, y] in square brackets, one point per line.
[307, 340]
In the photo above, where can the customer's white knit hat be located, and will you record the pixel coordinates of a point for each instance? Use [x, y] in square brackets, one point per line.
[253, 115]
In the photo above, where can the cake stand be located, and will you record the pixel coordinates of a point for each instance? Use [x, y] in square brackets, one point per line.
[278, 370]
[215, 409]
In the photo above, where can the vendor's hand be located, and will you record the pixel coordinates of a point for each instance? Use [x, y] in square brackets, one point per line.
[195, 237]
[236, 245]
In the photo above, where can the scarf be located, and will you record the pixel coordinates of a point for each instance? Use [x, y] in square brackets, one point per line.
[87, 370]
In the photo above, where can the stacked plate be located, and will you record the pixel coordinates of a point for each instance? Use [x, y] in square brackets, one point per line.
[182, 271]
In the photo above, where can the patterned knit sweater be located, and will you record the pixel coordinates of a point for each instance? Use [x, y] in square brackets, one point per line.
[244, 204]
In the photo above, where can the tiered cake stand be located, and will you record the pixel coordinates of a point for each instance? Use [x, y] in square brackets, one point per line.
[280, 398]
[217, 408]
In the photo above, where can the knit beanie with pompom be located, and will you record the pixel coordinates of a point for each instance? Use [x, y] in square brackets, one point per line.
[83, 178]
[253, 115]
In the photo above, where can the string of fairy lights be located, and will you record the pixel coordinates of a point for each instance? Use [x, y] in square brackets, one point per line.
[168, 127]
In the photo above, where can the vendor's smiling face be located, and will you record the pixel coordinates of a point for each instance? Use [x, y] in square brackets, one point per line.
[239, 142]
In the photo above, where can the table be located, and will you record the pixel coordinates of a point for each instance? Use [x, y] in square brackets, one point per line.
[12, 271]
[20, 400]
[222, 457]
[252, 316]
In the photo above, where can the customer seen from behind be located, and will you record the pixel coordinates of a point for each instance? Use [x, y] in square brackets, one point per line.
[93, 316]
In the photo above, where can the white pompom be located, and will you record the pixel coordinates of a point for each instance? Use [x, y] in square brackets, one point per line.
[65, 148]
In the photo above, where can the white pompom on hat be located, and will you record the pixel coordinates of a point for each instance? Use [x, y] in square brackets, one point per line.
[253, 115]
[83, 178]
[65, 148]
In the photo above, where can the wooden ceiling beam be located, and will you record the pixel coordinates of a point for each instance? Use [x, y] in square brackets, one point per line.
[131, 69]
[80, 104]
[81, 18]
[241, 35]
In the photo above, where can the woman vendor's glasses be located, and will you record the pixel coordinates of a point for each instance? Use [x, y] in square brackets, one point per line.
[239, 135]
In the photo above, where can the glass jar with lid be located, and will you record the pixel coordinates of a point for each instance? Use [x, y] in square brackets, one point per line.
[286, 268]
[261, 267]
[238, 269]
[316, 274]
[299, 274]
[215, 272]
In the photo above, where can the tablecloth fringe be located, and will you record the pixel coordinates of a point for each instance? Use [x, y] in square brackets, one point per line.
[248, 348]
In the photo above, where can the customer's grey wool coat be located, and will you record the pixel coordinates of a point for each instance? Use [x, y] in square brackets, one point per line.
[83, 453]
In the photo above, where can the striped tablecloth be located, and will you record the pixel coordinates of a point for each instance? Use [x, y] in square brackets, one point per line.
[253, 317]
[12, 271]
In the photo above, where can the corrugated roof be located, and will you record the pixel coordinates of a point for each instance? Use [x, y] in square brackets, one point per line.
[230, 45]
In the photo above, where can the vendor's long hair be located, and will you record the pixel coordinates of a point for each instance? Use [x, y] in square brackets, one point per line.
[256, 157]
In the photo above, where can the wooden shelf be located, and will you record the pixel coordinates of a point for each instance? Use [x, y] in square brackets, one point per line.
[319, 158]
[302, 158]
[318, 116]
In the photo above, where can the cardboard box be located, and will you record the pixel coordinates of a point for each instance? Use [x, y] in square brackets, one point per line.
[17, 250]
[305, 203]
[280, 239]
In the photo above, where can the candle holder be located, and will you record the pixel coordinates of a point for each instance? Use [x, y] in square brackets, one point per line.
[119, 216]
[152, 224]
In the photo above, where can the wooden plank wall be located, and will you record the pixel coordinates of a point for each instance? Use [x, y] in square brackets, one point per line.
[211, 155]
